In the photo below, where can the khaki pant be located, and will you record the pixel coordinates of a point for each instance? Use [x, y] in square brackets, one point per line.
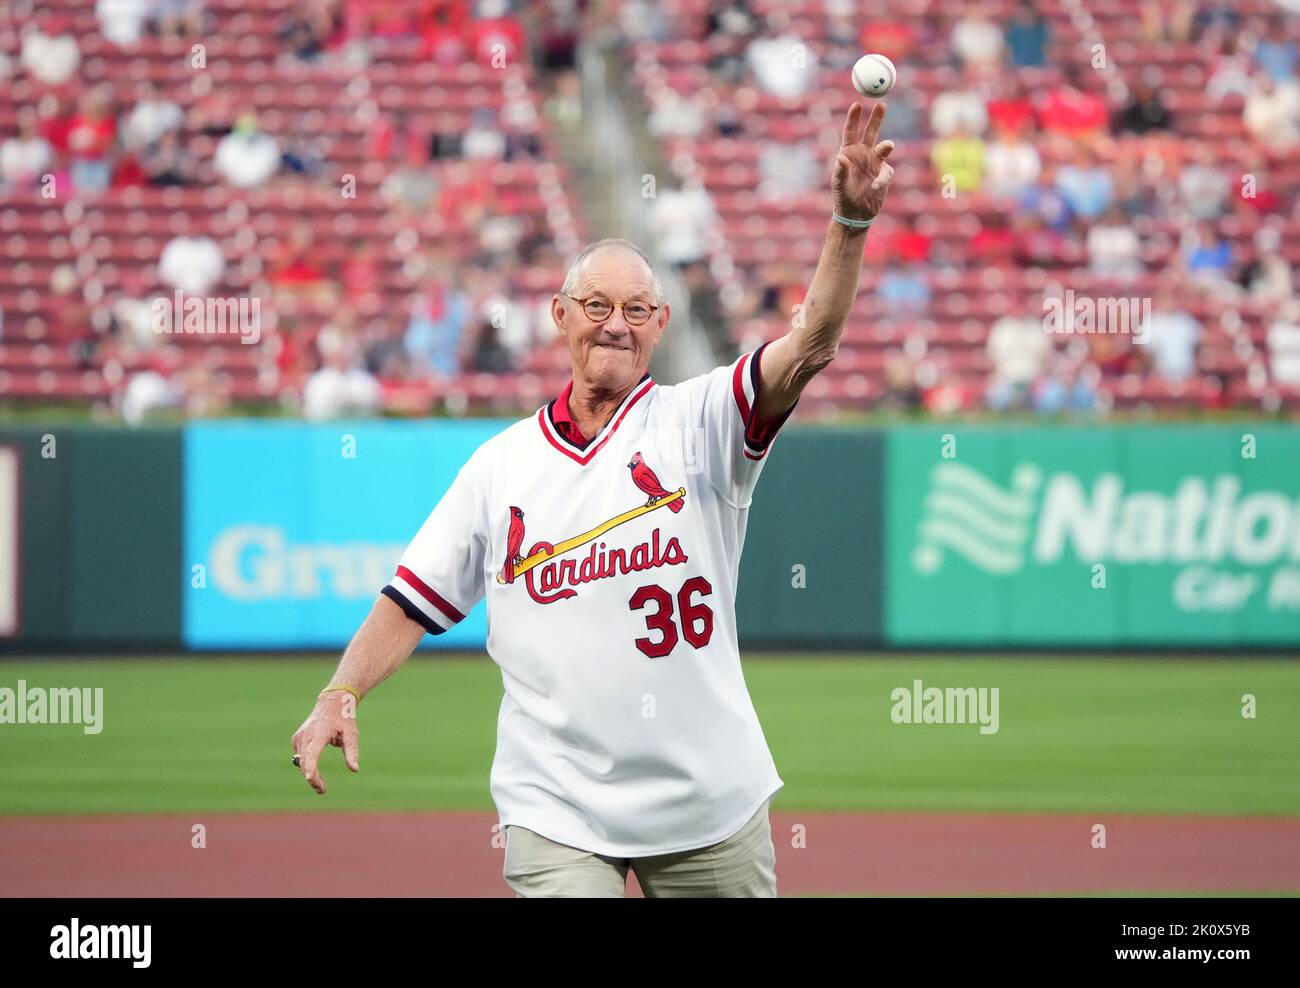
[742, 866]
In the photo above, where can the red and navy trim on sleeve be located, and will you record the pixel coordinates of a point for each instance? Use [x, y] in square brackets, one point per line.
[745, 384]
[421, 603]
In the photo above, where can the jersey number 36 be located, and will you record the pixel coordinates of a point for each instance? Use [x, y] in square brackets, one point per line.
[696, 617]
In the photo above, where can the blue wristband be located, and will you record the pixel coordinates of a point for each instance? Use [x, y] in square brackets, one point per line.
[855, 224]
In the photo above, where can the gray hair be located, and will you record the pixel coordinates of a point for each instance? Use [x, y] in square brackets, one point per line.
[575, 269]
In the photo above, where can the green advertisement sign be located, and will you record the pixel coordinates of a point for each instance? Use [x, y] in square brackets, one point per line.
[1179, 535]
[97, 560]
[810, 575]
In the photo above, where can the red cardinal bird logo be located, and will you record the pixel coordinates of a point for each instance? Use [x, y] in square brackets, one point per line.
[645, 479]
[513, 541]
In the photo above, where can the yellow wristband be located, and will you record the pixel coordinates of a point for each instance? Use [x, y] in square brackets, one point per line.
[341, 688]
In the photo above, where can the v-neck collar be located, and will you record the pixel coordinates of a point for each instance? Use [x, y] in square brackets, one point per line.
[547, 417]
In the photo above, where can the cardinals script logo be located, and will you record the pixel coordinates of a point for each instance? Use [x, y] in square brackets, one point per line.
[558, 577]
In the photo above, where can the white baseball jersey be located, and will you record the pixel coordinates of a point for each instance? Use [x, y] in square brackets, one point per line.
[610, 574]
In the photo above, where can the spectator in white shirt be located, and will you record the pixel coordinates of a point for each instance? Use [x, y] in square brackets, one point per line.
[1018, 346]
[1267, 276]
[675, 114]
[246, 157]
[1230, 72]
[24, 158]
[1171, 337]
[148, 391]
[122, 21]
[1272, 112]
[680, 219]
[50, 55]
[413, 186]
[644, 20]
[1204, 187]
[977, 41]
[783, 66]
[152, 117]
[510, 316]
[133, 313]
[157, 386]
[786, 167]
[483, 141]
[1011, 166]
[1284, 345]
[342, 386]
[192, 264]
[1113, 247]
[958, 110]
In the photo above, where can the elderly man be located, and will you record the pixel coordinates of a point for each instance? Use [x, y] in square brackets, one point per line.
[605, 532]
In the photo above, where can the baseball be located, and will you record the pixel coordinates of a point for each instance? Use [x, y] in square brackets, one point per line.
[874, 75]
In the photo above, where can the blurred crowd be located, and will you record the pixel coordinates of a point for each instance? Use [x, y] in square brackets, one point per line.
[1067, 164]
[1061, 166]
[334, 343]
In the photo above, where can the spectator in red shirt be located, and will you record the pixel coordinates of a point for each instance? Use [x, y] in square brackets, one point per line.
[1012, 112]
[443, 32]
[361, 274]
[909, 245]
[893, 39]
[1072, 111]
[67, 306]
[1257, 196]
[296, 266]
[91, 136]
[466, 195]
[356, 16]
[56, 122]
[497, 40]
[293, 352]
[390, 20]
[453, 13]
[1113, 353]
[995, 243]
[129, 172]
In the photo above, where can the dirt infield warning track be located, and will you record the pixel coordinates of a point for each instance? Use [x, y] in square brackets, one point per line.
[452, 854]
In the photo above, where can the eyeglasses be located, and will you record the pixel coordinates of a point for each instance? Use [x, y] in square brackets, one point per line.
[599, 309]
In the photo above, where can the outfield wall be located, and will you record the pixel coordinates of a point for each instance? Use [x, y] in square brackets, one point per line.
[278, 535]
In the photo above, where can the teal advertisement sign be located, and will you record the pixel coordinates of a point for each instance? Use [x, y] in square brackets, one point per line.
[1179, 535]
[292, 529]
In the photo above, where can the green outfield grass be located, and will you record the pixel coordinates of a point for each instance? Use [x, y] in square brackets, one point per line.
[1076, 735]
